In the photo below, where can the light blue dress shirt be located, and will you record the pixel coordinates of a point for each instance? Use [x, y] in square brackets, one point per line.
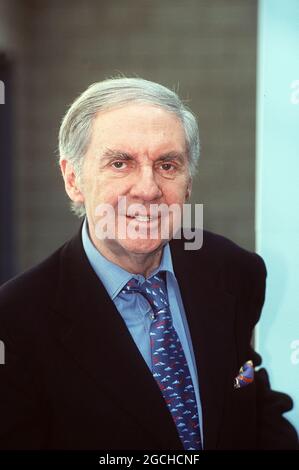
[135, 309]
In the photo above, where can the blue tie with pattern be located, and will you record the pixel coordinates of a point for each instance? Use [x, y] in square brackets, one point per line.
[170, 368]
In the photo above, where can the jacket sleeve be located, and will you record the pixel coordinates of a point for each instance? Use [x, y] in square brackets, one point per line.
[21, 418]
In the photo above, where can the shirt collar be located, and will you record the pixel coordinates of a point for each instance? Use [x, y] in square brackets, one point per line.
[113, 276]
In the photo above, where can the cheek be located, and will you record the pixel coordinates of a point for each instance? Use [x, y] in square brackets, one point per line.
[95, 186]
[104, 193]
[175, 194]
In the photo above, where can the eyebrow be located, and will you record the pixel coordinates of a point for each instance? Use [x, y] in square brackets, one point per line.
[172, 156]
[111, 154]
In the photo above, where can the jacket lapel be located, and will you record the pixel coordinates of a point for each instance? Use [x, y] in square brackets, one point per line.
[93, 331]
[210, 313]
[95, 334]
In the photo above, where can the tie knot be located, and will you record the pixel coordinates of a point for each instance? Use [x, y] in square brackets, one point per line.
[153, 289]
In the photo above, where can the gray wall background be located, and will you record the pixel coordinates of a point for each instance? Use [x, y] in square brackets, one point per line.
[206, 49]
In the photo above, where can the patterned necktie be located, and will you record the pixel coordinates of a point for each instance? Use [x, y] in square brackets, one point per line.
[170, 368]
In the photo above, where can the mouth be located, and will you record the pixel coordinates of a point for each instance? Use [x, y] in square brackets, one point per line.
[141, 218]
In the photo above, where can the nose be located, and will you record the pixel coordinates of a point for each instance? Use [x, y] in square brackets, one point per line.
[145, 187]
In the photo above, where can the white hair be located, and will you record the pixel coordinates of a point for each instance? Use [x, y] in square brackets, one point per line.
[76, 127]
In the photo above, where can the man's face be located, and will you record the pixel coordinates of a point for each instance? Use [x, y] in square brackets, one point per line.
[137, 152]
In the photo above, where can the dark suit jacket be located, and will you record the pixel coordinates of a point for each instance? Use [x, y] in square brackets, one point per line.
[74, 379]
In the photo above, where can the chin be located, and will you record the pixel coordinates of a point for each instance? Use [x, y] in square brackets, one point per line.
[142, 246]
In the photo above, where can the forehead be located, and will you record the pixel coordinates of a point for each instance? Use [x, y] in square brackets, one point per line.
[140, 125]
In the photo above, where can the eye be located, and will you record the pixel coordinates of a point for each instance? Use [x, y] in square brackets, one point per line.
[167, 166]
[119, 165]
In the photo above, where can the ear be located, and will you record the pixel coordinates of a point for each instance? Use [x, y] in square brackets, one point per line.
[189, 189]
[71, 182]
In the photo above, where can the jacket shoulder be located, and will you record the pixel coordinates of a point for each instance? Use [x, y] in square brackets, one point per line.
[219, 253]
[32, 287]
[228, 251]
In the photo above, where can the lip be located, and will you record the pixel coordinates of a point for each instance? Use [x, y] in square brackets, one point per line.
[145, 222]
[139, 214]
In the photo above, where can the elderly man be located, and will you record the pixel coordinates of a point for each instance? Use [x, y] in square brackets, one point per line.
[122, 339]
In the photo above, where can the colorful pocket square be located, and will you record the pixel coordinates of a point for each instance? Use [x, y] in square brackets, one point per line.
[246, 375]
